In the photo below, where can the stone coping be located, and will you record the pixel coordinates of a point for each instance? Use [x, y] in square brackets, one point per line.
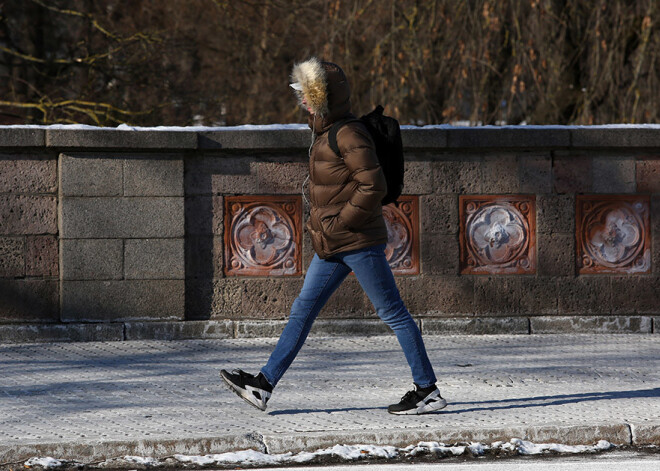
[245, 329]
[283, 138]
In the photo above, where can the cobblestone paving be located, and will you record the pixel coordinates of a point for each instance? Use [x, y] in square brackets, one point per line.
[158, 390]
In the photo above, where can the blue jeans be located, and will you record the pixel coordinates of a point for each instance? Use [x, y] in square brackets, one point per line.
[375, 276]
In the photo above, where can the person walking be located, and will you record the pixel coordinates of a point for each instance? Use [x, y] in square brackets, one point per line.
[348, 234]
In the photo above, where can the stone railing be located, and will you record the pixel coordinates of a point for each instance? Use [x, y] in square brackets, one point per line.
[173, 233]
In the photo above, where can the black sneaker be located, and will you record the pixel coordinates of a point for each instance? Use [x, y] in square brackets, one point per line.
[419, 401]
[255, 390]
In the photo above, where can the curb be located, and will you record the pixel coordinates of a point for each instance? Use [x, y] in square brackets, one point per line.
[248, 328]
[622, 434]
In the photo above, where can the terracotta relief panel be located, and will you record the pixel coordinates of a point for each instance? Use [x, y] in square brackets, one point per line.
[497, 234]
[263, 235]
[613, 234]
[402, 222]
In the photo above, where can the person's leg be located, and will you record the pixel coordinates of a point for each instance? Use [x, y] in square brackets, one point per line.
[375, 276]
[322, 279]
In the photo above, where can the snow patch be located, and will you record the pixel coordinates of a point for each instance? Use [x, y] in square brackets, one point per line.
[299, 126]
[528, 448]
[433, 447]
[348, 453]
[251, 457]
[45, 462]
[145, 461]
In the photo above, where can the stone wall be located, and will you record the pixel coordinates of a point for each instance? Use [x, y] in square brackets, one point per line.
[117, 234]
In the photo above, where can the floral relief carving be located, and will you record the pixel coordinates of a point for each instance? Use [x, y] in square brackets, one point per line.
[613, 234]
[498, 234]
[262, 235]
[402, 221]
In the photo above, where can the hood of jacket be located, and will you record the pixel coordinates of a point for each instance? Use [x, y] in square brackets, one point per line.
[326, 89]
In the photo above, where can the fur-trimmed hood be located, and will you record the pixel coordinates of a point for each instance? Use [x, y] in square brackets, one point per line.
[327, 90]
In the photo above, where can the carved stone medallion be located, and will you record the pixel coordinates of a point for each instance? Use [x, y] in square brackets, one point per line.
[402, 222]
[263, 235]
[613, 234]
[498, 234]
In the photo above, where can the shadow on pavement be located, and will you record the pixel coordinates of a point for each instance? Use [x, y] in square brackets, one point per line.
[544, 401]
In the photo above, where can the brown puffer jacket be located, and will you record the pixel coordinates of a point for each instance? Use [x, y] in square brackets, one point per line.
[346, 191]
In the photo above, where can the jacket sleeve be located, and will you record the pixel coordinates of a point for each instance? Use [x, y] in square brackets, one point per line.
[359, 154]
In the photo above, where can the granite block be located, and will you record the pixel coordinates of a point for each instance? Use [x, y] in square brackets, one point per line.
[535, 173]
[280, 177]
[614, 175]
[585, 295]
[179, 330]
[22, 137]
[508, 137]
[250, 329]
[572, 173]
[92, 259]
[460, 175]
[438, 295]
[28, 214]
[204, 215]
[476, 326]
[538, 295]
[12, 257]
[556, 254]
[655, 234]
[42, 256]
[349, 327]
[500, 174]
[29, 333]
[215, 299]
[598, 137]
[151, 175]
[648, 175]
[204, 257]
[90, 301]
[91, 175]
[158, 217]
[349, 300]
[439, 254]
[255, 139]
[635, 295]
[221, 174]
[423, 138]
[590, 325]
[417, 178]
[268, 298]
[155, 259]
[29, 300]
[103, 138]
[21, 173]
[439, 214]
[497, 295]
[555, 214]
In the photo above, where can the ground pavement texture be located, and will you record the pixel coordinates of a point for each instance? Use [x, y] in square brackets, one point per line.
[93, 401]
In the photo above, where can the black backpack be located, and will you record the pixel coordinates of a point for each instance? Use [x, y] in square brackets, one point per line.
[386, 134]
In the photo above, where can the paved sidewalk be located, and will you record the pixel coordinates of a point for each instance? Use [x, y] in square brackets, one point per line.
[89, 401]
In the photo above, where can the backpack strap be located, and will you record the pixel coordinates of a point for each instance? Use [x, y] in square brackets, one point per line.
[332, 134]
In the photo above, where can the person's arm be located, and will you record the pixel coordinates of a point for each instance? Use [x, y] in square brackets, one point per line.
[357, 150]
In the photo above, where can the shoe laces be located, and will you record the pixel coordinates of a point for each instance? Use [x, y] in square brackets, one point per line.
[241, 373]
[409, 396]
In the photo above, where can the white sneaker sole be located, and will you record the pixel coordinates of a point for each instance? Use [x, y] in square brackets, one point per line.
[425, 409]
[244, 394]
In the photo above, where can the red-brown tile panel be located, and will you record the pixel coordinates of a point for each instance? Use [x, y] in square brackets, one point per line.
[263, 235]
[402, 222]
[497, 234]
[613, 234]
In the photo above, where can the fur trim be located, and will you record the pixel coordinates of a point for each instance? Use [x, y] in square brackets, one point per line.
[312, 79]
